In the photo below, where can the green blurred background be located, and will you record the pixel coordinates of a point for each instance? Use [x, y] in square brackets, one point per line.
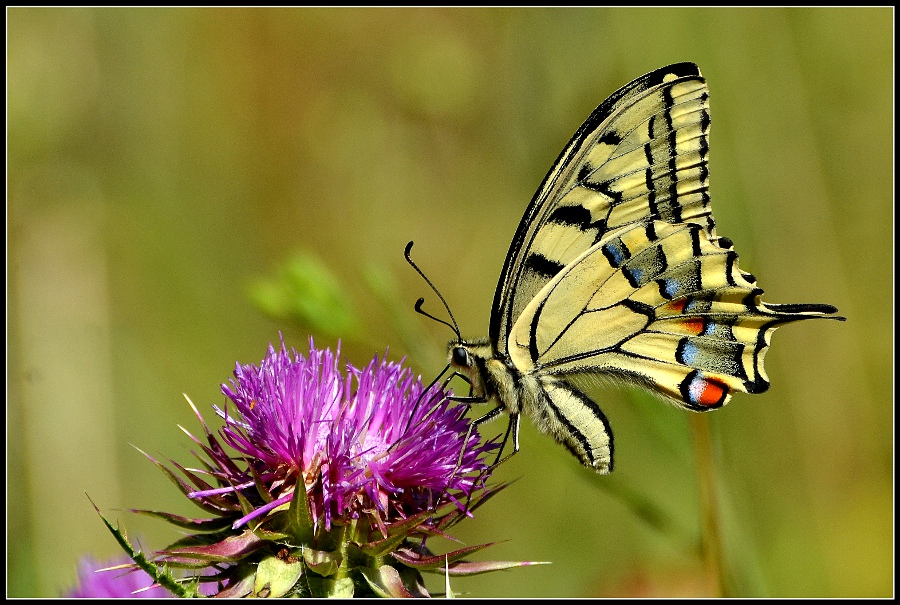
[161, 162]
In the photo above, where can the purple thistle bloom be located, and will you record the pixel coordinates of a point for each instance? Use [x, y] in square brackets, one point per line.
[114, 583]
[368, 442]
[384, 463]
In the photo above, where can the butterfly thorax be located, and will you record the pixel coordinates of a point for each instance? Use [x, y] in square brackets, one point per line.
[491, 375]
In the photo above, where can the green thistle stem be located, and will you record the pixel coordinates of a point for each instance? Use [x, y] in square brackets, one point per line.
[711, 546]
[344, 541]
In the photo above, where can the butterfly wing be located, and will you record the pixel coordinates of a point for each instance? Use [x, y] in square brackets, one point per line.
[662, 305]
[640, 156]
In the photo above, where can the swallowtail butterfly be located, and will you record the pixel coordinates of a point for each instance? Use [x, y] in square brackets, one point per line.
[616, 269]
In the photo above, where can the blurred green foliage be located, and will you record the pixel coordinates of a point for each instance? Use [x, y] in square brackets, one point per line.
[163, 161]
[307, 293]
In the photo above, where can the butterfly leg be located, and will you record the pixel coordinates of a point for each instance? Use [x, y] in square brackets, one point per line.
[441, 401]
[468, 400]
[511, 427]
[462, 451]
[489, 416]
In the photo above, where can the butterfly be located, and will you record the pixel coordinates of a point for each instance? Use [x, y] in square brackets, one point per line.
[616, 270]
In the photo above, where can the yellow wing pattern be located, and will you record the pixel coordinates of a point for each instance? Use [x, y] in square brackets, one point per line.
[616, 269]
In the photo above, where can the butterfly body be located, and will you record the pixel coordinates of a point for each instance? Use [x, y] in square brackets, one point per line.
[495, 378]
[616, 270]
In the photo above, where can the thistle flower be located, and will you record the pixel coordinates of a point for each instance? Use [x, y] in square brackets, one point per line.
[341, 479]
[386, 447]
[110, 580]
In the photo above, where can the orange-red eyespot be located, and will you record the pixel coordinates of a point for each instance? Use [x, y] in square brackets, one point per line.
[677, 306]
[703, 391]
[711, 392]
[694, 325]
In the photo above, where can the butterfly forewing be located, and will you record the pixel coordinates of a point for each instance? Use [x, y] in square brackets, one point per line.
[641, 155]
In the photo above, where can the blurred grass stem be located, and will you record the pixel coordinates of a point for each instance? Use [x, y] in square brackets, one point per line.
[711, 539]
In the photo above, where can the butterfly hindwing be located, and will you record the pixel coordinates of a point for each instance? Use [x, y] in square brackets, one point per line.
[641, 155]
[661, 305]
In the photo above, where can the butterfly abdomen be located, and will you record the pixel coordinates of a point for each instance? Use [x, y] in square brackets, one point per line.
[557, 408]
[574, 420]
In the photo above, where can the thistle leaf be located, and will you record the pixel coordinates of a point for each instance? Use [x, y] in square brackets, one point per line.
[326, 587]
[197, 525]
[229, 549]
[417, 560]
[322, 562]
[299, 520]
[472, 568]
[386, 582]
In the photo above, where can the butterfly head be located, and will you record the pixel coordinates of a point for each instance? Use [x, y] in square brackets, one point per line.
[469, 359]
[459, 356]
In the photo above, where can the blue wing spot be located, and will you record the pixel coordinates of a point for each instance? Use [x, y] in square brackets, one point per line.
[616, 253]
[671, 287]
[696, 305]
[686, 352]
[635, 276]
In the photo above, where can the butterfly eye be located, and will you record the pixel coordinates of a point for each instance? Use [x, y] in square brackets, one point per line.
[460, 356]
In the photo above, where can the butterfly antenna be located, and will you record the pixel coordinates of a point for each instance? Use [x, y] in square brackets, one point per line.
[418, 307]
[419, 310]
